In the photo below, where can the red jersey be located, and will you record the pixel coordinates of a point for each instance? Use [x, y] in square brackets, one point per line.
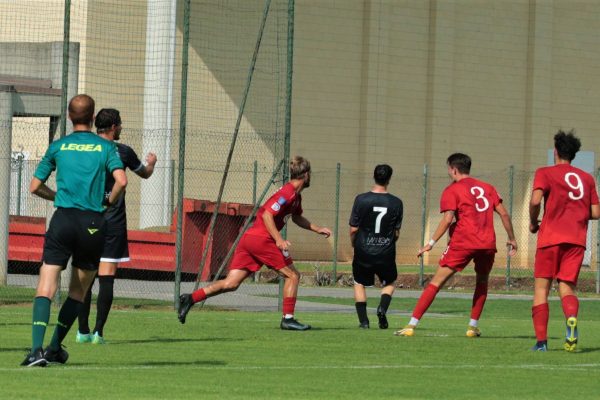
[282, 204]
[569, 193]
[473, 202]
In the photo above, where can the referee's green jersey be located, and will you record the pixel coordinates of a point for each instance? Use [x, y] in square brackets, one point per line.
[81, 161]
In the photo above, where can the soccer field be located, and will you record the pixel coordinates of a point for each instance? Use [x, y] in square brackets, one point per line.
[244, 355]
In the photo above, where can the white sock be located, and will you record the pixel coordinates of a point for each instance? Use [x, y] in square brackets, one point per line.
[473, 323]
[413, 321]
[288, 316]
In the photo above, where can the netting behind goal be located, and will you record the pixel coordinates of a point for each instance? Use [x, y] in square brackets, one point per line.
[128, 56]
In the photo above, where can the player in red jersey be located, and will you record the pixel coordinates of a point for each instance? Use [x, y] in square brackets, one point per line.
[570, 201]
[471, 203]
[263, 244]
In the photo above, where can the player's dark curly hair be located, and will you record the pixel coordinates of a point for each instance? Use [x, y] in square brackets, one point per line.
[382, 174]
[106, 118]
[566, 144]
[461, 162]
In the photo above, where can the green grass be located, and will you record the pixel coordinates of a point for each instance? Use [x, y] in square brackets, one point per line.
[243, 355]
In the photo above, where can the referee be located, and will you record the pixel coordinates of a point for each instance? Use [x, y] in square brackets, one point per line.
[76, 230]
[374, 228]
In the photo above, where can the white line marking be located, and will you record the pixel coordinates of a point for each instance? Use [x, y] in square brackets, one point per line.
[68, 369]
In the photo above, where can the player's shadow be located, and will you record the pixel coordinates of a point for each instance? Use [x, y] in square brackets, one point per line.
[588, 350]
[207, 363]
[15, 324]
[166, 340]
[11, 349]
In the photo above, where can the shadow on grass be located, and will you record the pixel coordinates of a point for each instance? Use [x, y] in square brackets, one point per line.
[173, 340]
[588, 350]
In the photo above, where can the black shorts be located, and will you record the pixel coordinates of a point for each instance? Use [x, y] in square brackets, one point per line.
[75, 233]
[387, 274]
[116, 248]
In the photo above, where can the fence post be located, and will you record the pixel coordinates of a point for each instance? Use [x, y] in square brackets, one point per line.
[20, 158]
[254, 181]
[182, 134]
[423, 224]
[511, 180]
[337, 220]
[65, 68]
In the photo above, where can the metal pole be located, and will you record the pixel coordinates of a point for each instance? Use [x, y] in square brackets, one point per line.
[254, 181]
[20, 158]
[182, 126]
[423, 224]
[288, 115]
[65, 68]
[511, 180]
[337, 220]
[236, 130]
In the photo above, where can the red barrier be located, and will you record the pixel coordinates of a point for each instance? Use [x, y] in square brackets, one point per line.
[149, 250]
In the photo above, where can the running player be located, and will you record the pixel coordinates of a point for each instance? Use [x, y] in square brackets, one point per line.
[262, 244]
[108, 126]
[471, 203]
[570, 201]
[81, 160]
[374, 228]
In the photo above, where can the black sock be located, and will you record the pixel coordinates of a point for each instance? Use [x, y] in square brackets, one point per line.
[361, 310]
[84, 313]
[105, 299]
[385, 301]
[66, 316]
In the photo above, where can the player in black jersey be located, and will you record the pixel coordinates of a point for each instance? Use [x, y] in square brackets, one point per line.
[374, 228]
[108, 126]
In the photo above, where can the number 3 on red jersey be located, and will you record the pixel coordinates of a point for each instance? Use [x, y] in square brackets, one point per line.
[481, 203]
[576, 185]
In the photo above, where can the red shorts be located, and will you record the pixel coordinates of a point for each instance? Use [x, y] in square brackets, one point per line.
[252, 252]
[458, 259]
[561, 262]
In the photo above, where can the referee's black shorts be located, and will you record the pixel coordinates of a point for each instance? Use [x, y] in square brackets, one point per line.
[76, 233]
[364, 275]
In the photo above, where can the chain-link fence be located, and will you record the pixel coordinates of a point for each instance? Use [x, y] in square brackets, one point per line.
[190, 76]
[210, 70]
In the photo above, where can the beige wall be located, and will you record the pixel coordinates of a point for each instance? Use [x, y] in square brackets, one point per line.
[409, 82]
[403, 82]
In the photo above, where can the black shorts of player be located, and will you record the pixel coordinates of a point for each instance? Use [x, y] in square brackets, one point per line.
[116, 247]
[75, 233]
[386, 273]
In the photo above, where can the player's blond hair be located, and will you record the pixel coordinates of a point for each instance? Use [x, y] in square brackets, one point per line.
[298, 167]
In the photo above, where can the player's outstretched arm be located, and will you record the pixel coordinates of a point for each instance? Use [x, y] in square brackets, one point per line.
[147, 170]
[39, 188]
[535, 205]
[443, 226]
[306, 224]
[508, 227]
[119, 186]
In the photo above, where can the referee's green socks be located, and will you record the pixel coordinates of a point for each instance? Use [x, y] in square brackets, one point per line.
[41, 315]
[66, 316]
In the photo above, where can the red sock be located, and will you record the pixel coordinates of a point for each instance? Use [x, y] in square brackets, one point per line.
[479, 297]
[199, 295]
[540, 314]
[289, 304]
[570, 306]
[425, 300]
